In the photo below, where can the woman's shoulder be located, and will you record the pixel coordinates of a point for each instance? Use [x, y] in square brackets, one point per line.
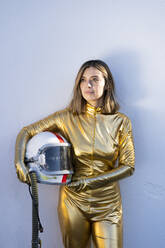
[121, 118]
[62, 112]
[122, 115]
[125, 121]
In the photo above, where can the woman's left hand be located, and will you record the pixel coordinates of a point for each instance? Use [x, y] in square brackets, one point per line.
[78, 185]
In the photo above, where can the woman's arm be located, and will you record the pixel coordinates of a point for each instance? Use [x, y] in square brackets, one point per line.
[51, 123]
[126, 162]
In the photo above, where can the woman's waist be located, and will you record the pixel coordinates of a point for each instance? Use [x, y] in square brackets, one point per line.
[106, 192]
[90, 170]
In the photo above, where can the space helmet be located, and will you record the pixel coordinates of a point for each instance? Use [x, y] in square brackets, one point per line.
[48, 154]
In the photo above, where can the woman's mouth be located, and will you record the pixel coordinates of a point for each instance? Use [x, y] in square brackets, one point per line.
[89, 92]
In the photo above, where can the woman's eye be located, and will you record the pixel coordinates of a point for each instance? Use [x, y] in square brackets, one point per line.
[95, 79]
[82, 80]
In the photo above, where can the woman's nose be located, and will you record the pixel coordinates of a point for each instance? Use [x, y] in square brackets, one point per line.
[89, 84]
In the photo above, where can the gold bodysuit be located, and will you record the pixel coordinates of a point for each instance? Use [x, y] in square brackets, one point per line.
[102, 153]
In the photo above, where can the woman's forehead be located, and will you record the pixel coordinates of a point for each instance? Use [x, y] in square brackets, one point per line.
[92, 71]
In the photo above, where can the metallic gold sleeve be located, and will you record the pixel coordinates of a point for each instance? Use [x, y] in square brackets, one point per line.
[21, 169]
[50, 123]
[126, 145]
[124, 169]
[100, 181]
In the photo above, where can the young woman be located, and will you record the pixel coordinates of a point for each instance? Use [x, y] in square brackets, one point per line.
[103, 153]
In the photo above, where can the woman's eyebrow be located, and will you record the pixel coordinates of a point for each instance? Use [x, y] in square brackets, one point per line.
[91, 76]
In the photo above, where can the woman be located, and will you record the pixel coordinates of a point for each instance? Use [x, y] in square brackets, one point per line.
[103, 153]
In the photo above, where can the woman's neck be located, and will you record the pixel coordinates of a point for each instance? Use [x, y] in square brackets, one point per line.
[96, 104]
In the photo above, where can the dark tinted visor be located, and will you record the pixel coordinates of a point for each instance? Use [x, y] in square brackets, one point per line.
[57, 158]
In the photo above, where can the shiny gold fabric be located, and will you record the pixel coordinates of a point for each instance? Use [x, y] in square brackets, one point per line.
[103, 153]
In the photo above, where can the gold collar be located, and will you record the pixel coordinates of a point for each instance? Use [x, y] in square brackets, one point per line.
[92, 110]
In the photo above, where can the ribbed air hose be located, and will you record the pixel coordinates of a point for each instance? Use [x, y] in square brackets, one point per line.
[36, 225]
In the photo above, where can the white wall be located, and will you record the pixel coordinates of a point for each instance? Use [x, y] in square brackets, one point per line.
[42, 45]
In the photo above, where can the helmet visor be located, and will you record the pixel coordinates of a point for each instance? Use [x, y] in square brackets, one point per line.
[55, 159]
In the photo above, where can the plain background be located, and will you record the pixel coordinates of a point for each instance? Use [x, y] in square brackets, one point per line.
[42, 46]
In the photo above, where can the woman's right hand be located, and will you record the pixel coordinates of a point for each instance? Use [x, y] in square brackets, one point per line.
[22, 173]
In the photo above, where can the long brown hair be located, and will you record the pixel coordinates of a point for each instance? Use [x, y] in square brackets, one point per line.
[77, 104]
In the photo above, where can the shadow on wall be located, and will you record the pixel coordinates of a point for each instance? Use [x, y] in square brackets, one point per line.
[125, 67]
[131, 90]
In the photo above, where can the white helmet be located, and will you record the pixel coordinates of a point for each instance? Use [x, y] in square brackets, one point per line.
[48, 154]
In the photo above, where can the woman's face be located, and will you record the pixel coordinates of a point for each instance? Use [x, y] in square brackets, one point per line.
[92, 86]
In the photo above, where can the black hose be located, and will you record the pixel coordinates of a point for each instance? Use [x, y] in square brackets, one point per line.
[36, 224]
